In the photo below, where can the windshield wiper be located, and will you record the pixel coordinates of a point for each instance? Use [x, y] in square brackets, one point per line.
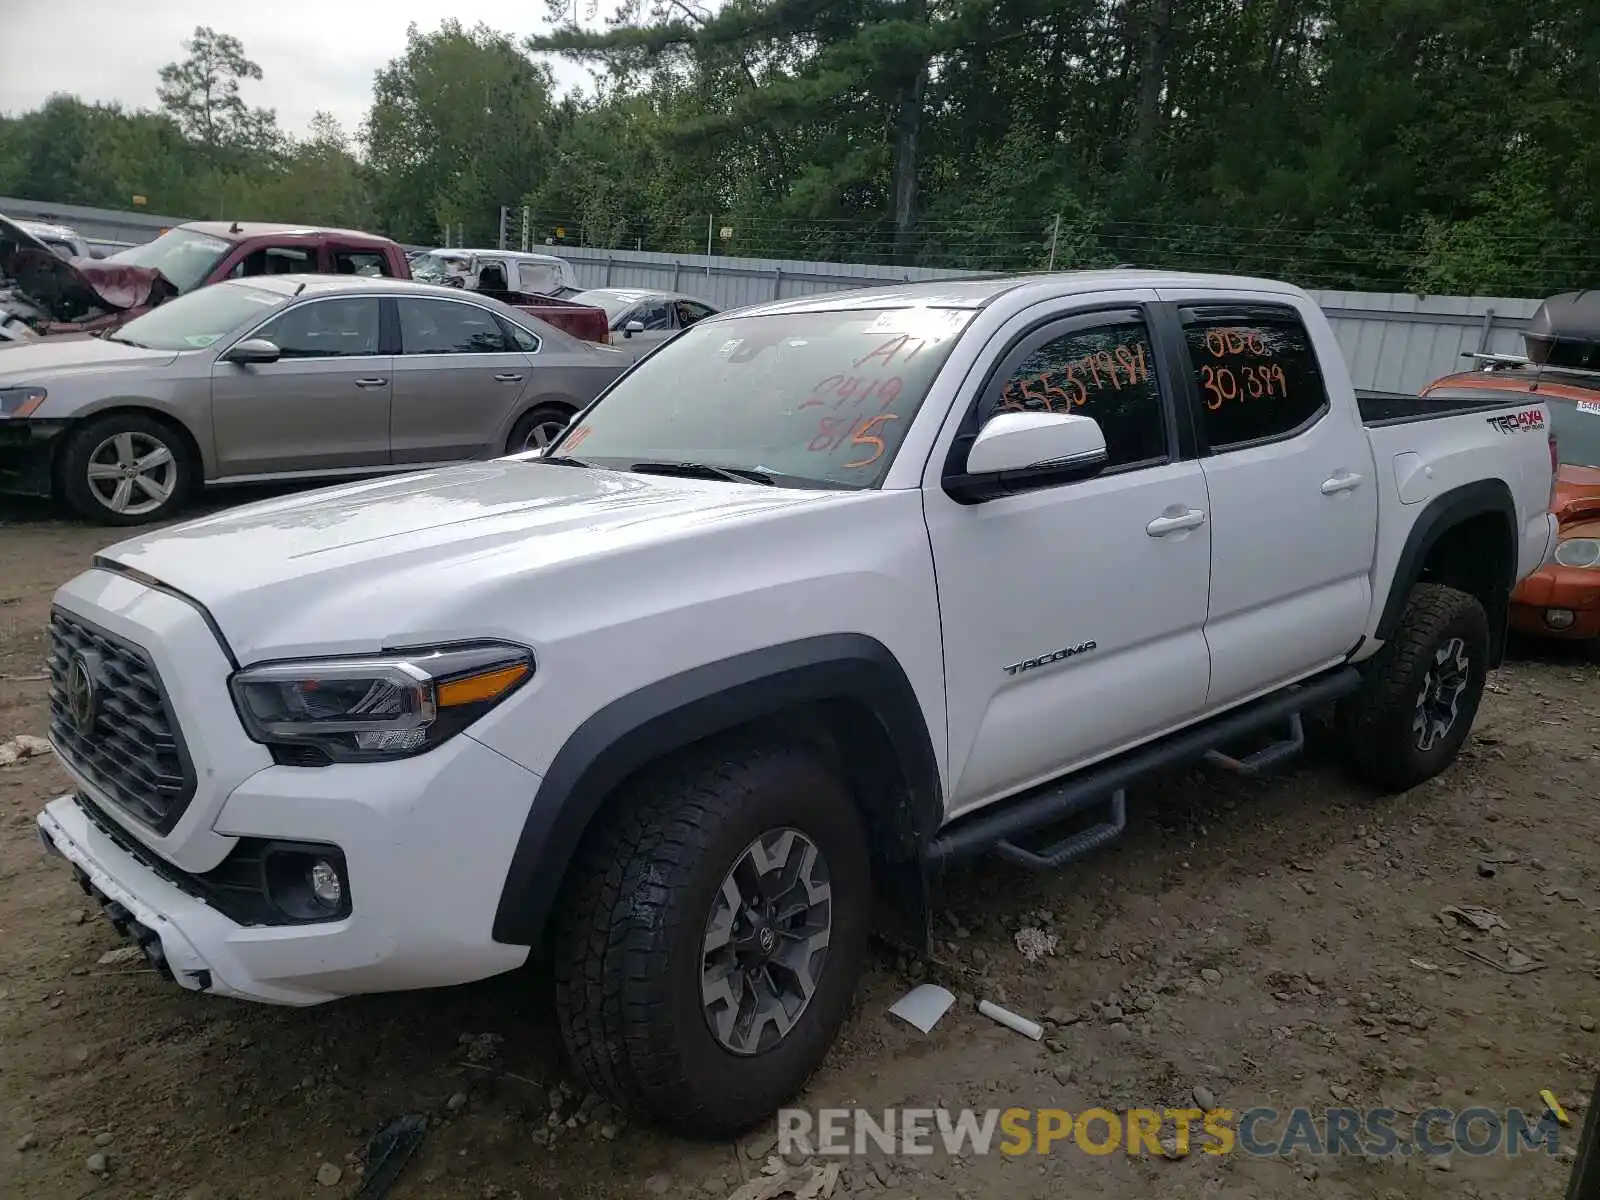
[112, 337]
[561, 460]
[694, 470]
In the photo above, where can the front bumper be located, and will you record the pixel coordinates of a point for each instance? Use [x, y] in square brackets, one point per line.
[1552, 590]
[27, 456]
[425, 852]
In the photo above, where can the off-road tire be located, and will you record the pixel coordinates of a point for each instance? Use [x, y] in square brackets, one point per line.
[630, 928]
[1376, 724]
[546, 416]
[72, 467]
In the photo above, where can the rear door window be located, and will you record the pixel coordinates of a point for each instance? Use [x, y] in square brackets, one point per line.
[450, 327]
[1256, 374]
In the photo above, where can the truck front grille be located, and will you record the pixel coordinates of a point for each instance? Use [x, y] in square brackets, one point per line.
[111, 719]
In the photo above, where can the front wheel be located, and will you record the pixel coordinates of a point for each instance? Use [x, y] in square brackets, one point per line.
[712, 937]
[125, 469]
[1422, 691]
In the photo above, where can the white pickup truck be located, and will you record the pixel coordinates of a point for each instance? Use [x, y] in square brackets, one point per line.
[818, 598]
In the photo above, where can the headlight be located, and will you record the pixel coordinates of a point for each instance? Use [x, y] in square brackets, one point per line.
[372, 709]
[20, 402]
[1578, 552]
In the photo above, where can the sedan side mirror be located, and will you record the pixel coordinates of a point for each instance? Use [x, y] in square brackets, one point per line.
[252, 351]
[632, 327]
[1020, 450]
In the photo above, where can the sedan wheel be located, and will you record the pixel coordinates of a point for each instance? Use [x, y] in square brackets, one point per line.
[132, 474]
[541, 435]
[539, 427]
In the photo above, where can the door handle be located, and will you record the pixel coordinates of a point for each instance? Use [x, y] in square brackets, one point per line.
[508, 378]
[364, 383]
[1342, 482]
[1190, 519]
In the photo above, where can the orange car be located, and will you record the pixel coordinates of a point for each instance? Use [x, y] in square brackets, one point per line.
[1562, 598]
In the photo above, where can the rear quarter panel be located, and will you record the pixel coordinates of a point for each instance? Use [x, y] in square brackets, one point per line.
[1421, 460]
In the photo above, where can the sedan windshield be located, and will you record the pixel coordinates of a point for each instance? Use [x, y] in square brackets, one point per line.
[183, 256]
[811, 399]
[615, 303]
[195, 321]
[1576, 425]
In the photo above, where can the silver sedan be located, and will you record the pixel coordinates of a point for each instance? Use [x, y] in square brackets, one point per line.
[280, 378]
[644, 318]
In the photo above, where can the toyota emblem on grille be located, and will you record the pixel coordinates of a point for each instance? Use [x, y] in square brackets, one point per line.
[83, 694]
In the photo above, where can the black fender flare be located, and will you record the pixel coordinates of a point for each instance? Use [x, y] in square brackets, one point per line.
[1438, 517]
[671, 713]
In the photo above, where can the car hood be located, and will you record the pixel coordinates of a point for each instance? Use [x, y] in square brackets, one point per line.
[54, 359]
[377, 564]
[71, 291]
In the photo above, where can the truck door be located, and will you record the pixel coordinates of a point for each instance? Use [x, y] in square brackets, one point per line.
[1289, 469]
[1113, 570]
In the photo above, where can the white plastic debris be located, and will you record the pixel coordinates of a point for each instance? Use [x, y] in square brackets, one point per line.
[1035, 943]
[1010, 1020]
[24, 745]
[923, 1006]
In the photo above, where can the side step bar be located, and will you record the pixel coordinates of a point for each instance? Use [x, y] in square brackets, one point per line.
[998, 827]
[1269, 756]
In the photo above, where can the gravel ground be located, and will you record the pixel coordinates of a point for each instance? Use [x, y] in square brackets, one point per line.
[1275, 942]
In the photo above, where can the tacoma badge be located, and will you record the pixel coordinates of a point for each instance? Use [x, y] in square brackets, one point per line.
[1045, 660]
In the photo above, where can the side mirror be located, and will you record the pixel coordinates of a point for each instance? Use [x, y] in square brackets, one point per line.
[632, 327]
[252, 351]
[1018, 450]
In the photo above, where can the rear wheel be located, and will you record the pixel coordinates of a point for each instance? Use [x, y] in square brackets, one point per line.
[1422, 691]
[126, 469]
[537, 428]
[712, 936]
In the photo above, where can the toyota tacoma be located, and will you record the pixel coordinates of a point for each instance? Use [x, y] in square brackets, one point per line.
[815, 600]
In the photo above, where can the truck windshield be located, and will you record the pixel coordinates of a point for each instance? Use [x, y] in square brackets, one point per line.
[183, 256]
[438, 268]
[195, 321]
[811, 399]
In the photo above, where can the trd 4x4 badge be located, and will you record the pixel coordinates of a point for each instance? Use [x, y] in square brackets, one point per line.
[1526, 421]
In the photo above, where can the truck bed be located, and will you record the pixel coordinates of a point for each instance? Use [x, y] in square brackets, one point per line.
[580, 320]
[1397, 408]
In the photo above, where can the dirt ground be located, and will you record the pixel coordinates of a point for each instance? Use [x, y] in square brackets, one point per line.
[1275, 942]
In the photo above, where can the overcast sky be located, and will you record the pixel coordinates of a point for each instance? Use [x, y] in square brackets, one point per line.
[314, 54]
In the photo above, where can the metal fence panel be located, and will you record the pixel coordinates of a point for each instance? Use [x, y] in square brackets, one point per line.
[1392, 341]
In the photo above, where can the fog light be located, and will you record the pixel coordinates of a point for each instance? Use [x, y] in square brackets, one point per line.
[325, 885]
[1559, 618]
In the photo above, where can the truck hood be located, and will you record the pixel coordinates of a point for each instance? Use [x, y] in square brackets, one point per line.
[371, 565]
[71, 291]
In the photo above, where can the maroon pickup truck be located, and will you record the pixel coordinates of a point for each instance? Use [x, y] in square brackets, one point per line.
[52, 296]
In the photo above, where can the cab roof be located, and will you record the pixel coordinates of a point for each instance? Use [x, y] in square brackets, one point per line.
[974, 292]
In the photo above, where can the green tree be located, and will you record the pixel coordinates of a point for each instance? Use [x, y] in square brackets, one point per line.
[460, 124]
[201, 93]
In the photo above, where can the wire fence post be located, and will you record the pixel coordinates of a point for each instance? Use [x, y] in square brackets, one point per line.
[527, 229]
[710, 220]
[1054, 234]
[504, 212]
